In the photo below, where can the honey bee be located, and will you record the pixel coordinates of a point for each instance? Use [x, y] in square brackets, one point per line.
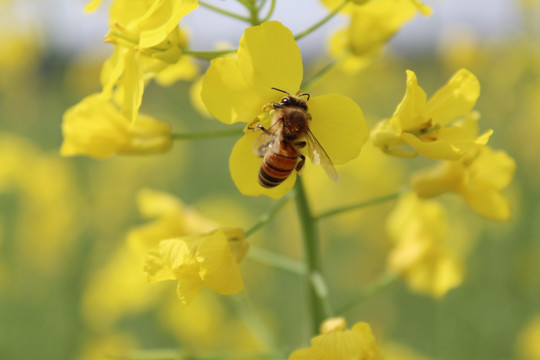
[280, 144]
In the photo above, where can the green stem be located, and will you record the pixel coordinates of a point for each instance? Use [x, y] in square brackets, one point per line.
[270, 11]
[360, 205]
[208, 55]
[224, 12]
[276, 260]
[207, 134]
[383, 281]
[317, 291]
[266, 217]
[322, 21]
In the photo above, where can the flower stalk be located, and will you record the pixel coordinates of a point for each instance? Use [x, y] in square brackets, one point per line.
[319, 305]
[322, 21]
[207, 134]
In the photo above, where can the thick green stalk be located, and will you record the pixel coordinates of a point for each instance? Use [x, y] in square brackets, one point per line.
[317, 291]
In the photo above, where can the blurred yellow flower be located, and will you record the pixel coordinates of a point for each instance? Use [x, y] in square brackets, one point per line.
[210, 259]
[172, 219]
[40, 181]
[528, 345]
[357, 343]
[418, 229]
[334, 324]
[372, 25]
[479, 177]
[235, 89]
[427, 126]
[92, 5]
[94, 127]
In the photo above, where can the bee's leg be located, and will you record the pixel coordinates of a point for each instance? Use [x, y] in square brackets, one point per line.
[250, 125]
[271, 106]
[300, 163]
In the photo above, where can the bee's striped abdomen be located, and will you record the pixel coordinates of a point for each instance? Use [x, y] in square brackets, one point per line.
[276, 167]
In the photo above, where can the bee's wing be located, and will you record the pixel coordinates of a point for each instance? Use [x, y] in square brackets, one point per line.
[268, 140]
[319, 156]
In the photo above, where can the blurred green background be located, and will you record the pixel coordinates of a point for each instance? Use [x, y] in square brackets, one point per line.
[67, 290]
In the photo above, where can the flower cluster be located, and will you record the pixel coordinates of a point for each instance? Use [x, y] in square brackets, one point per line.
[148, 45]
[288, 129]
[445, 128]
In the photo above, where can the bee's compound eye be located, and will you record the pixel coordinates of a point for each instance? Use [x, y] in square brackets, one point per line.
[285, 100]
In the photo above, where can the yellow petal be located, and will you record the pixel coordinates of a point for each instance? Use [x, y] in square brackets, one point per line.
[374, 23]
[189, 287]
[455, 99]
[358, 343]
[490, 204]
[269, 57]
[438, 273]
[95, 128]
[245, 164]
[431, 182]
[156, 267]
[184, 69]
[148, 135]
[226, 95]
[92, 6]
[218, 267]
[156, 25]
[493, 169]
[339, 125]
[408, 113]
[133, 85]
[438, 149]
[306, 354]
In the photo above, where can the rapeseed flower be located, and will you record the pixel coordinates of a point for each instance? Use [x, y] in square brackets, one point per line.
[479, 177]
[371, 26]
[428, 127]
[236, 89]
[210, 259]
[337, 344]
[419, 229]
[170, 219]
[96, 128]
[149, 44]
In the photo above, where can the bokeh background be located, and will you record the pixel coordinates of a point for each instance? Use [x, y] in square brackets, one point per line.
[71, 288]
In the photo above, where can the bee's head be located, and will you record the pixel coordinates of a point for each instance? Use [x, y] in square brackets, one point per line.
[294, 100]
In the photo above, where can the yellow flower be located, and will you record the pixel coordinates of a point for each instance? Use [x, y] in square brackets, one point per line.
[372, 25]
[210, 259]
[94, 127]
[149, 44]
[419, 229]
[425, 125]
[479, 177]
[357, 343]
[150, 21]
[527, 342]
[172, 219]
[235, 90]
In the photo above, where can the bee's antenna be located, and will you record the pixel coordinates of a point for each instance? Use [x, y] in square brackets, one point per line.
[283, 91]
[305, 94]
